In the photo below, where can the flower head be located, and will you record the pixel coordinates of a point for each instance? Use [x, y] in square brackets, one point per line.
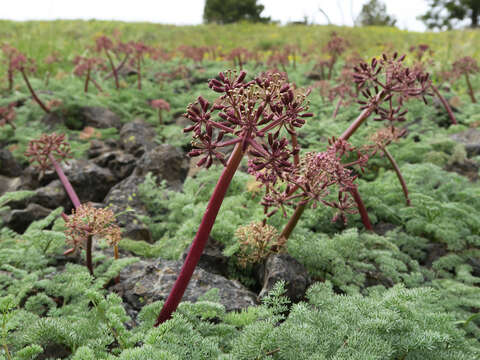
[48, 145]
[87, 221]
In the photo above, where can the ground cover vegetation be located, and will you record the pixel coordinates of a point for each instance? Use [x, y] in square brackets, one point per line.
[353, 155]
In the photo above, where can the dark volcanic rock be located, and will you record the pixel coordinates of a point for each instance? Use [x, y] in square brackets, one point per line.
[121, 164]
[166, 162]
[137, 137]
[467, 167]
[471, 139]
[284, 267]
[51, 196]
[19, 220]
[98, 147]
[147, 281]
[100, 118]
[76, 118]
[212, 259]
[90, 181]
[123, 196]
[8, 165]
[9, 184]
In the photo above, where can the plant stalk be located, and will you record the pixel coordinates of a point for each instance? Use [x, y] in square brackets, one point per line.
[65, 182]
[470, 89]
[445, 104]
[292, 222]
[34, 95]
[361, 208]
[362, 117]
[88, 251]
[399, 175]
[201, 237]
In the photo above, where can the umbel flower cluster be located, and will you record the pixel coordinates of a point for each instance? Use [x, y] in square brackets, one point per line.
[87, 222]
[47, 147]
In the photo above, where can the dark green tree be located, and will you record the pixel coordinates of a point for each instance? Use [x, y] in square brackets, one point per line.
[230, 11]
[446, 14]
[374, 13]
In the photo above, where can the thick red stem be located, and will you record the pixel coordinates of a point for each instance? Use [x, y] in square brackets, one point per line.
[445, 104]
[35, 97]
[362, 117]
[88, 251]
[66, 184]
[361, 208]
[292, 222]
[201, 237]
[399, 175]
[296, 157]
[96, 84]
[139, 71]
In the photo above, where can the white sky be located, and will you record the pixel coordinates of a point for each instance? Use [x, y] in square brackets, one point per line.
[183, 12]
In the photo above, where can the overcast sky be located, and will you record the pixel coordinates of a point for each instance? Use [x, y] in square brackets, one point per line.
[189, 12]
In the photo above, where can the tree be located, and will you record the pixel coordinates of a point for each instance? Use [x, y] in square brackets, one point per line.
[375, 13]
[230, 11]
[446, 14]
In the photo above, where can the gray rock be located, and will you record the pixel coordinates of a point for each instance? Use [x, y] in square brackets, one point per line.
[471, 139]
[52, 196]
[19, 220]
[121, 164]
[123, 196]
[284, 267]
[467, 167]
[212, 259]
[76, 118]
[137, 137]
[90, 181]
[166, 162]
[8, 165]
[100, 118]
[147, 281]
[9, 184]
[98, 147]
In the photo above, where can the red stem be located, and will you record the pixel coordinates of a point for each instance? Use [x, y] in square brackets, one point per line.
[361, 208]
[139, 74]
[87, 79]
[88, 251]
[470, 89]
[445, 104]
[399, 175]
[296, 157]
[362, 117]
[114, 70]
[35, 97]
[292, 222]
[66, 184]
[96, 84]
[335, 112]
[201, 237]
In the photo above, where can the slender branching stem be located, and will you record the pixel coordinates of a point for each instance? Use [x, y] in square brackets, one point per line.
[96, 84]
[296, 157]
[114, 69]
[66, 184]
[118, 68]
[361, 118]
[139, 73]
[292, 222]
[445, 104]
[361, 208]
[87, 79]
[201, 237]
[335, 112]
[399, 174]
[470, 89]
[34, 95]
[88, 253]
